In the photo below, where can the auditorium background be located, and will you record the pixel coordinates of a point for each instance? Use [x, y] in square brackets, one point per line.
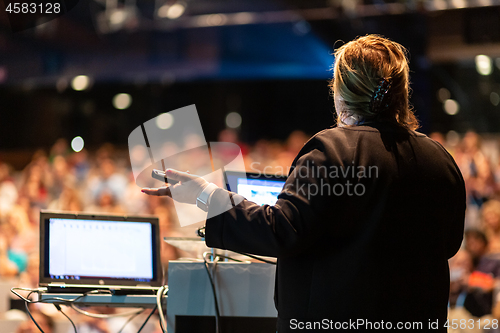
[73, 88]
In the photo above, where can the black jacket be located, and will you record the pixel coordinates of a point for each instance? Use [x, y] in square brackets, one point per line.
[369, 245]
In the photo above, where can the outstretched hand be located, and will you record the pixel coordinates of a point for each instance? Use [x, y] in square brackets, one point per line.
[186, 190]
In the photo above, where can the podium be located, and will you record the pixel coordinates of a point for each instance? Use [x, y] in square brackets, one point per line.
[245, 293]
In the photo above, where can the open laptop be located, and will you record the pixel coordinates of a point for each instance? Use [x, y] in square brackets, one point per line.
[83, 252]
[260, 188]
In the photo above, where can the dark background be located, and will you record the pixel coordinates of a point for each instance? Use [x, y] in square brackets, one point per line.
[274, 72]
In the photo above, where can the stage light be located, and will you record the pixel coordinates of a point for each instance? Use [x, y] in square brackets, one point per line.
[233, 120]
[77, 144]
[163, 11]
[164, 121]
[216, 19]
[80, 82]
[459, 3]
[494, 98]
[122, 101]
[211, 20]
[243, 18]
[451, 107]
[117, 17]
[172, 12]
[483, 64]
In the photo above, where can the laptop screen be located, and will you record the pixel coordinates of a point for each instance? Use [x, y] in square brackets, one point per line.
[82, 249]
[260, 188]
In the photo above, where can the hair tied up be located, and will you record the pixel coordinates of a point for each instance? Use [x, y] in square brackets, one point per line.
[379, 100]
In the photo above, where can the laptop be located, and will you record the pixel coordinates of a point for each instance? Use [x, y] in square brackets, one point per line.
[83, 252]
[260, 188]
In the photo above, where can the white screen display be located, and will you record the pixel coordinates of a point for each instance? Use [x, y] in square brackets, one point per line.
[100, 249]
[260, 191]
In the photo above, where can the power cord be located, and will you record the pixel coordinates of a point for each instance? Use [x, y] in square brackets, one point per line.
[58, 307]
[27, 301]
[216, 303]
[31, 316]
[161, 292]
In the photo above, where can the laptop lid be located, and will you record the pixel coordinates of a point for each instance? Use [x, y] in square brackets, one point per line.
[106, 251]
[257, 187]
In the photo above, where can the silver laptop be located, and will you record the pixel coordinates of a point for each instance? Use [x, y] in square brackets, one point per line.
[82, 252]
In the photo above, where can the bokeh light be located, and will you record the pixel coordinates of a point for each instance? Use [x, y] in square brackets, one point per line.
[77, 144]
[122, 101]
[233, 120]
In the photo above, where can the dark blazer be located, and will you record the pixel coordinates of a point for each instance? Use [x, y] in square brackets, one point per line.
[363, 230]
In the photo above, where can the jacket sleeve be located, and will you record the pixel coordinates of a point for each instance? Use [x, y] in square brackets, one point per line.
[286, 228]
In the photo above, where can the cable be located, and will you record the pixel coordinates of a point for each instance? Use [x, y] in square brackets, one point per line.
[257, 258]
[226, 257]
[130, 319]
[144, 324]
[161, 292]
[163, 329]
[104, 316]
[217, 313]
[71, 304]
[13, 290]
[58, 307]
[31, 316]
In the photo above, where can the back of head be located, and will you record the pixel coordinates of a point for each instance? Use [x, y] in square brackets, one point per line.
[371, 76]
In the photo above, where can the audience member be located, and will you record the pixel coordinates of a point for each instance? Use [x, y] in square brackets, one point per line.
[490, 219]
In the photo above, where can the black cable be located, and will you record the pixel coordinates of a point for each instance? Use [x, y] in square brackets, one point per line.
[257, 258]
[58, 307]
[217, 314]
[31, 316]
[144, 324]
[62, 300]
[71, 301]
[51, 299]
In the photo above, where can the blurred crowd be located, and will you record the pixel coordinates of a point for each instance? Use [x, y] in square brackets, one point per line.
[102, 181]
[475, 269]
[99, 181]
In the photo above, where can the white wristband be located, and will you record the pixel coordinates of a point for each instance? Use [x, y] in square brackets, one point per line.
[203, 199]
